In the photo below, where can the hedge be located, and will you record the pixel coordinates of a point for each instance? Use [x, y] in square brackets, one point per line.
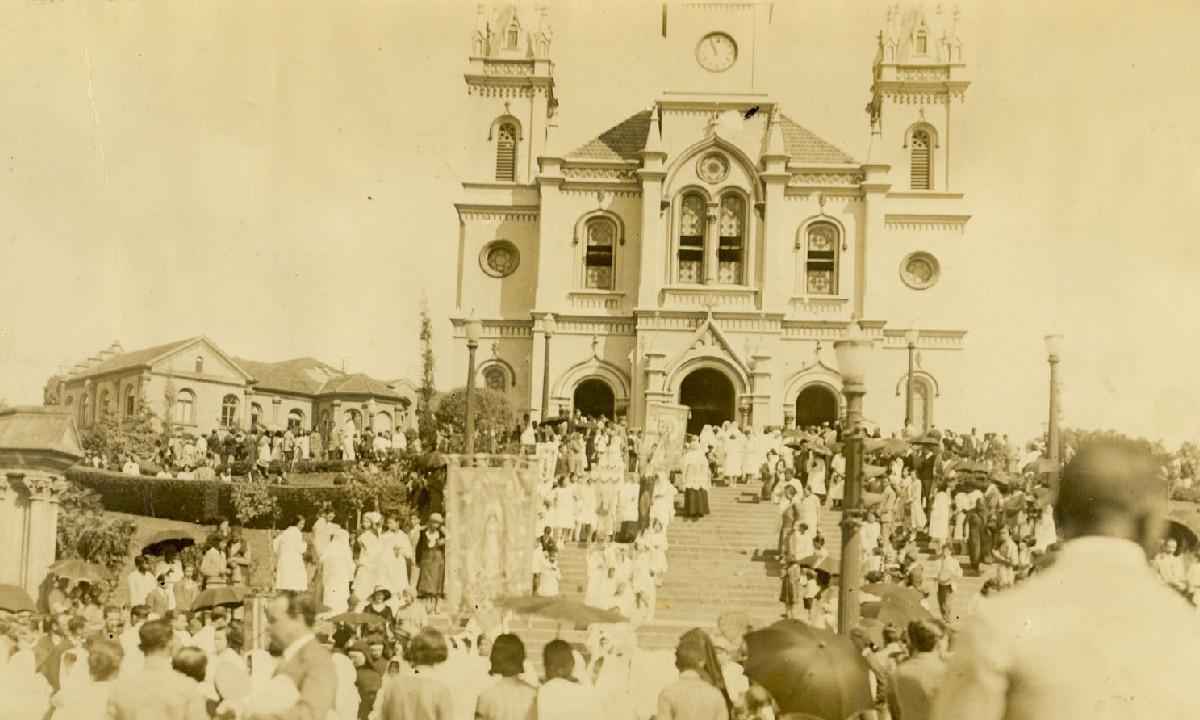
[202, 501]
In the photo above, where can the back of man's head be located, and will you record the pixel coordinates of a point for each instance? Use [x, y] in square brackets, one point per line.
[1111, 488]
[154, 637]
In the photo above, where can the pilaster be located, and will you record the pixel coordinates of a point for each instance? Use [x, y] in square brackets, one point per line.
[45, 490]
[875, 188]
[651, 176]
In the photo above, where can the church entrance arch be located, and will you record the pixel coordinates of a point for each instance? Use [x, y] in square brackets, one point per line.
[816, 404]
[594, 398]
[709, 394]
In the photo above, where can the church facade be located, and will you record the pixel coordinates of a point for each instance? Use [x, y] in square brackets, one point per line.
[709, 249]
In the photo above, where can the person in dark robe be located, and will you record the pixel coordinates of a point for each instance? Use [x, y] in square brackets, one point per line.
[976, 529]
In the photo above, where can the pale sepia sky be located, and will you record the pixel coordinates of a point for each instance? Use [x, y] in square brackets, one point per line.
[279, 175]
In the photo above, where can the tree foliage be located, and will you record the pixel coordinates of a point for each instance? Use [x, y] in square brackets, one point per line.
[253, 500]
[84, 532]
[426, 390]
[492, 410]
[115, 437]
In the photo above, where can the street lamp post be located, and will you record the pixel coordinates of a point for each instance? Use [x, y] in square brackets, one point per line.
[911, 337]
[852, 354]
[474, 330]
[548, 328]
[1053, 347]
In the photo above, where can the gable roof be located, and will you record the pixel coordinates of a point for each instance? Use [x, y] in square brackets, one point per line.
[301, 376]
[359, 384]
[40, 429]
[136, 358]
[804, 146]
[623, 141]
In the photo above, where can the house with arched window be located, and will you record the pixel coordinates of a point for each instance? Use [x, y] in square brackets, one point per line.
[198, 387]
[707, 250]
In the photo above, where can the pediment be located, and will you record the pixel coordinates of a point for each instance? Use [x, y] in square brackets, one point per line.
[709, 341]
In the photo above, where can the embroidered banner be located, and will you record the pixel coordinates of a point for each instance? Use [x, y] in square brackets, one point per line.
[490, 516]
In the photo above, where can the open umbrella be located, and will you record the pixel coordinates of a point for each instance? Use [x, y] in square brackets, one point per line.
[928, 440]
[896, 611]
[820, 563]
[809, 671]
[179, 538]
[887, 446]
[563, 610]
[889, 590]
[970, 466]
[77, 570]
[214, 596]
[356, 618]
[14, 599]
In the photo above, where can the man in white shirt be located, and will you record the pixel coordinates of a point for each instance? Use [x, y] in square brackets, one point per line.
[562, 697]
[1096, 635]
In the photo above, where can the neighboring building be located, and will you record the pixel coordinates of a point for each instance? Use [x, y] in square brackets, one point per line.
[200, 387]
[710, 249]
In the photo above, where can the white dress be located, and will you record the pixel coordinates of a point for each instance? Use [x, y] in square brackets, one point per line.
[564, 507]
[290, 573]
[337, 572]
[735, 450]
[395, 550]
[367, 575]
[939, 516]
[816, 475]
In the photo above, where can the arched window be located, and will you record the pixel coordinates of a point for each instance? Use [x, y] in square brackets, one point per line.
[922, 403]
[296, 420]
[353, 422]
[199, 364]
[130, 401]
[105, 400]
[821, 259]
[922, 156]
[494, 378]
[185, 407]
[84, 408]
[692, 222]
[598, 257]
[512, 36]
[731, 250]
[256, 415]
[229, 411]
[922, 43]
[506, 153]
[382, 422]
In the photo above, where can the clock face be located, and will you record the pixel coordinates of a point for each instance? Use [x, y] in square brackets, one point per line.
[716, 52]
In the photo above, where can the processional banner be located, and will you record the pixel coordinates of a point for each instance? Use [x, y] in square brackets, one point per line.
[665, 431]
[491, 506]
[547, 457]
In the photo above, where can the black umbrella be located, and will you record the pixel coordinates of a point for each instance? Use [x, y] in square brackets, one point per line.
[809, 671]
[226, 595]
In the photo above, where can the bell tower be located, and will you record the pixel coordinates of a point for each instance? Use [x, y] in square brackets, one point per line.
[918, 91]
[715, 45]
[510, 88]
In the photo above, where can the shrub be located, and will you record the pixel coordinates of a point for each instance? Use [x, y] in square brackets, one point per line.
[252, 501]
[84, 532]
[492, 410]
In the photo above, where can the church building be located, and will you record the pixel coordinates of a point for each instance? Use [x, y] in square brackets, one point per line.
[708, 250]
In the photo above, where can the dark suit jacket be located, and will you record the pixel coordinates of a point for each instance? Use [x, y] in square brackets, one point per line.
[315, 676]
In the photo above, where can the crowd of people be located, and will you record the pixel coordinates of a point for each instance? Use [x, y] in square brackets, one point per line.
[261, 452]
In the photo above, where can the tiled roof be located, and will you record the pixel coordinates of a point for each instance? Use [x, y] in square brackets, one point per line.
[358, 384]
[804, 146]
[627, 138]
[39, 428]
[136, 358]
[622, 141]
[302, 376]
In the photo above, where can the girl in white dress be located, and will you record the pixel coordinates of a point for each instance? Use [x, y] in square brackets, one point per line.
[916, 503]
[939, 516]
[585, 509]
[548, 578]
[816, 476]
[564, 510]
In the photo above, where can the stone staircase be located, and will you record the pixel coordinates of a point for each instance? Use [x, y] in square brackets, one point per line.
[721, 563]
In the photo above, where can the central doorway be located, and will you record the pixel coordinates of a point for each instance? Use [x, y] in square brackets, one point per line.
[594, 398]
[816, 404]
[710, 395]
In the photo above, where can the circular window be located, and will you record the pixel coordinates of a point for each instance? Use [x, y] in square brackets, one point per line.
[499, 258]
[920, 270]
[713, 168]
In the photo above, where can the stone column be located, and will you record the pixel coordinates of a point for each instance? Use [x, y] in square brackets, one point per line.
[276, 406]
[13, 511]
[760, 380]
[656, 378]
[45, 489]
[712, 240]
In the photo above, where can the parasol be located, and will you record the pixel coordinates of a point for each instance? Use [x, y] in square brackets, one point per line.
[162, 537]
[887, 446]
[356, 618]
[15, 600]
[214, 596]
[820, 563]
[887, 590]
[555, 420]
[809, 671]
[927, 439]
[77, 570]
[563, 610]
[970, 466]
[895, 610]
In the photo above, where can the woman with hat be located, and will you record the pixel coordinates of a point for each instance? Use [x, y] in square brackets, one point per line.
[431, 563]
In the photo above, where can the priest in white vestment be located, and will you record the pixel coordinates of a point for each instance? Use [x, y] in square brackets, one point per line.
[289, 547]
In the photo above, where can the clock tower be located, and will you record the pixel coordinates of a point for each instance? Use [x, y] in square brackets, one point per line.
[715, 45]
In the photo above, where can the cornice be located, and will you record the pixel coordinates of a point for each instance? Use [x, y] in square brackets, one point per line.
[925, 222]
[512, 213]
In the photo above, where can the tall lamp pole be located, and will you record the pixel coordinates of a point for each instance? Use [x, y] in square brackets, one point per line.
[548, 328]
[911, 337]
[852, 354]
[1053, 347]
[474, 330]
